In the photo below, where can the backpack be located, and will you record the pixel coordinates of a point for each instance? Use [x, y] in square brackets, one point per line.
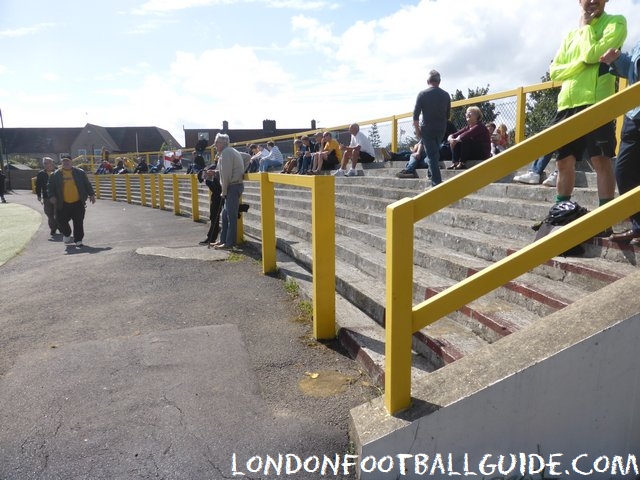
[562, 213]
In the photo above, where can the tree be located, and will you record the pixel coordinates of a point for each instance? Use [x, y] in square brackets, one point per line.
[541, 108]
[488, 109]
[374, 136]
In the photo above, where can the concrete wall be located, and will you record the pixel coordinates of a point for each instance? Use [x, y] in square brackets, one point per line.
[569, 386]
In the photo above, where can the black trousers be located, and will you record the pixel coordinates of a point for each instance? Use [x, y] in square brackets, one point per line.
[73, 212]
[627, 168]
[215, 208]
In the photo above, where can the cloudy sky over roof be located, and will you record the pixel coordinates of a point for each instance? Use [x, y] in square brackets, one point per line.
[194, 63]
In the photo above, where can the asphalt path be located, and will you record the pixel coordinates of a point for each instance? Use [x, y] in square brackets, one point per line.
[144, 355]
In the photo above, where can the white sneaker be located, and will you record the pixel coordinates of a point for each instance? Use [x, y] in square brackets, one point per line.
[352, 173]
[67, 240]
[338, 173]
[78, 244]
[552, 180]
[530, 178]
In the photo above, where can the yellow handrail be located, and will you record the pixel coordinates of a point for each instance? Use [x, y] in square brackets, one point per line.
[322, 241]
[403, 319]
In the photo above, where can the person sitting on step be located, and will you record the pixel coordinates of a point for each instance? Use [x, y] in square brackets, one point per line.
[472, 142]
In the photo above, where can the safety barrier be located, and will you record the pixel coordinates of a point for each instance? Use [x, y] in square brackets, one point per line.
[403, 319]
[181, 193]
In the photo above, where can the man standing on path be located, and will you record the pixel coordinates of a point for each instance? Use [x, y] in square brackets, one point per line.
[586, 81]
[231, 167]
[68, 190]
[434, 104]
[42, 179]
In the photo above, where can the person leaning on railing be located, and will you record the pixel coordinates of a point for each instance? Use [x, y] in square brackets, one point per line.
[231, 168]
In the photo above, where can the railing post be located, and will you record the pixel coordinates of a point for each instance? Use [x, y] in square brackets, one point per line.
[127, 186]
[323, 240]
[399, 306]
[394, 134]
[268, 221]
[114, 194]
[176, 194]
[96, 178]
[160, 179]
[240, 228]
[143, 191]
[521, 103]
[195, 199]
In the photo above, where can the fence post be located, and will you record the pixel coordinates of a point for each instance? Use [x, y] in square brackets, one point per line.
[195, 199]
[521, 104]
[394, 134]
[323, 240]
[114, 195]
[160, 189]
[143, 191]
[176, 194]
[96, 178]
[399, 306]
[127, 186]
[268, 221]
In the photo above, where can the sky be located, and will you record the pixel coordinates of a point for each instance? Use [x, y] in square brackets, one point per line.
[192, 64]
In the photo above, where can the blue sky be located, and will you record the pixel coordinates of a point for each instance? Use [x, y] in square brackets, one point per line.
[194, 63]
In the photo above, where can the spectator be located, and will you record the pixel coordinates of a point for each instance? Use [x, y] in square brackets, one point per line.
[272, 159]
[120, 168]
[142, 166]
[359, 149]
[472, 142]
[536, 173]
[176, 164]
[499, 138]
[445, 148]
[68, 189]
[304, 155]
[627, 168]
[254, 159]
[292, 162]
[231, 168]
[105, 167]
[42, 179]
[197, 165]
[212, 179]
[328, 156]
[584, 83]
[434, 106]
[3, 186]
[417, 158]
[158, 167]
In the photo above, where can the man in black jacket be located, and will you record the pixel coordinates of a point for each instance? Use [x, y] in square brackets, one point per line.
[42, 179]
[69, 188]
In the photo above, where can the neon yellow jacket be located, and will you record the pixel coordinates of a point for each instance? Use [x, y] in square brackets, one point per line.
[577, 63]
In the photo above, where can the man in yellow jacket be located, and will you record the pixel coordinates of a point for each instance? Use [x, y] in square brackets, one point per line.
[585, 81]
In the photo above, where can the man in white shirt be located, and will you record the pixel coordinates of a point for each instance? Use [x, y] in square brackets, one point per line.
[360, 149]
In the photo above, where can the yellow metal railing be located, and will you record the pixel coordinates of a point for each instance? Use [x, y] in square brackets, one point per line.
[403, 319]
[322, 241]
[125, 187]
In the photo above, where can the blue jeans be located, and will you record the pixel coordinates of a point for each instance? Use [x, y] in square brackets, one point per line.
[229, 231]
[415, 162]
[431, 144]
[265, 165]
[540, 164]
